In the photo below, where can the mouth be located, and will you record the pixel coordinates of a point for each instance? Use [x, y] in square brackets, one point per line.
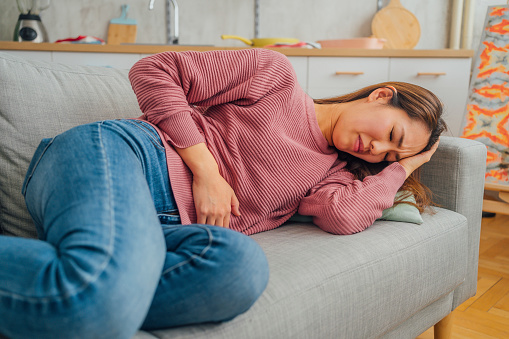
[359, 146]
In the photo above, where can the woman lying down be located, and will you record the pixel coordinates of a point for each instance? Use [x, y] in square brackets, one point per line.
[144, 223]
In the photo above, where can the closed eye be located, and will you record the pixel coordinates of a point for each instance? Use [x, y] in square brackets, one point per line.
[390, 139]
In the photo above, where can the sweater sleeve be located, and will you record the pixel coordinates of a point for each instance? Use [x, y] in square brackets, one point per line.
[167, 84]
[342, 205]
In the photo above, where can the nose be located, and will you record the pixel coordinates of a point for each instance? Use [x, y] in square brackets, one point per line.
[379, 147]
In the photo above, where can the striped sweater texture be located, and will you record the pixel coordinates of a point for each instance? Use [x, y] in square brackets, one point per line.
[261, 128]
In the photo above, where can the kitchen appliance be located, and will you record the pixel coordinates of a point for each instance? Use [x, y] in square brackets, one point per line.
[29, 26]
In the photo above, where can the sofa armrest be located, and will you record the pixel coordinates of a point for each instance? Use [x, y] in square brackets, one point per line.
[455, 175]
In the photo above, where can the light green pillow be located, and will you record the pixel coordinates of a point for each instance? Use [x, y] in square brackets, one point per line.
[403, 212]
[399, 212]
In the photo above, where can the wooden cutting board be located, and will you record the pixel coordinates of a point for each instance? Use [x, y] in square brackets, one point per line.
[397, 25]
[123, 29]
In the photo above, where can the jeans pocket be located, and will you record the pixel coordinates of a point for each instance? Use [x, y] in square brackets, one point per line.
[149, 131]
[39, 152]
[169, 217]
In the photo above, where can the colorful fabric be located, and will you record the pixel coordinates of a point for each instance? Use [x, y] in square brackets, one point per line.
[488, 102]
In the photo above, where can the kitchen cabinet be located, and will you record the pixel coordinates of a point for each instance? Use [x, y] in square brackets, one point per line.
[300, 65]
[114, 60]
[127, 60]
[331, 76]
[448, 78]
[38, 55]
[321, 73]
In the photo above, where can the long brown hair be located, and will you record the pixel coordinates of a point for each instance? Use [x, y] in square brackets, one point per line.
[421, 105]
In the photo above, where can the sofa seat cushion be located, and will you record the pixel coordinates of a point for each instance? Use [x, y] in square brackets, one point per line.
[357, 286]
[40, 100]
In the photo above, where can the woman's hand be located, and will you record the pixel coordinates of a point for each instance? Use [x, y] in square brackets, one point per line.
[410, 164]
[214, 200]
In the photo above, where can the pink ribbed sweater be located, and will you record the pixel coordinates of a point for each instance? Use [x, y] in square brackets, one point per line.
[261, 128]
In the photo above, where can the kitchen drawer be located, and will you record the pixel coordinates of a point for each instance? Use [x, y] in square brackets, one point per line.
[35, 55]
[330, 76]
[446, 78]
[430, 72]
[113, 60]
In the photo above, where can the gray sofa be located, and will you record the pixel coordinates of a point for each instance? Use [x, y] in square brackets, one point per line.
[394, 280]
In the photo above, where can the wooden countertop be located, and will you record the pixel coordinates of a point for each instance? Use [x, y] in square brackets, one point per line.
[151, 49]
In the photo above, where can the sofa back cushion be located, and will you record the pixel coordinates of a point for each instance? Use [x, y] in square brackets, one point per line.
[40, 100]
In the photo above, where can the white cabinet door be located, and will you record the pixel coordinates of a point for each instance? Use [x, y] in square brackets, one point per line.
[114, 60]
[332, 76]
[34, 55]
[447, 78]
[300, 65]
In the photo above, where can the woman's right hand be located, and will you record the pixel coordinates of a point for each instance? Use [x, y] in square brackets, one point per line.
[214, 199]
[410, 164]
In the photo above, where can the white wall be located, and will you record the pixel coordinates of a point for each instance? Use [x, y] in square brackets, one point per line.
[203, 21]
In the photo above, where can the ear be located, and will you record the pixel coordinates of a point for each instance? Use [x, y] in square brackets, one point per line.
[384, 93]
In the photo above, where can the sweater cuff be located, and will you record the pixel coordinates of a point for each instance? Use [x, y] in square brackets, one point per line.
[393, 176]
[181, 130]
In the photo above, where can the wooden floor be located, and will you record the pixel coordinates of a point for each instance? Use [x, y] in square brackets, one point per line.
[486, 315]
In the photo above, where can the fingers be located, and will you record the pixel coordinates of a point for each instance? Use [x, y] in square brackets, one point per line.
[215, 201]
[226, 221]
[410, 164]
[235, 205]
[216, 218]
[214, 221]
[435, 146]
[427, 155]
[201, 218]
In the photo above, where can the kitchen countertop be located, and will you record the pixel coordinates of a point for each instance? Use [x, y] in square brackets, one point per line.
[151, 49]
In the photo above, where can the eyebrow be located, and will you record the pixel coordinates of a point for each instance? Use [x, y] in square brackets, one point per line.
[398, 157]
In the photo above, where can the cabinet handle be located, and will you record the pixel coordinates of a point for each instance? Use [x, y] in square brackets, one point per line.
[349, 73]
[435, 74]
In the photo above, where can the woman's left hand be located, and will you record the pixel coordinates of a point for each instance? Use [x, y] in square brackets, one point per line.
[410, 164]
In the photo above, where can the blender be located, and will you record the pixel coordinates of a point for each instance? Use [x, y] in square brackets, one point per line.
[29, 26]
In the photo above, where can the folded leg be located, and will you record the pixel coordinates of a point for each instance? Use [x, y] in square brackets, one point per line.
[211, 274]
[94, 272]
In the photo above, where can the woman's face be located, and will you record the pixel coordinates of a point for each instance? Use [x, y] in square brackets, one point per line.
[373, 131]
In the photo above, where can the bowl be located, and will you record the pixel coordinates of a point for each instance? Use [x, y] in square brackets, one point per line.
[367, 43]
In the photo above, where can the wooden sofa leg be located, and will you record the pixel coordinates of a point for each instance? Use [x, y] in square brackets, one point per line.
[443, 328]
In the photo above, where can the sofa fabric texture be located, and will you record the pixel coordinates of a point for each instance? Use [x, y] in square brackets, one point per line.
[40, 100]
[453, 177]
[391, 270]
[393, 280]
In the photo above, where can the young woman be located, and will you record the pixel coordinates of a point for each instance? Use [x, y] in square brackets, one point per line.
[144, 223]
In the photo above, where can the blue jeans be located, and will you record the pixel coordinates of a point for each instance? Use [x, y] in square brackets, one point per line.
[112, 256]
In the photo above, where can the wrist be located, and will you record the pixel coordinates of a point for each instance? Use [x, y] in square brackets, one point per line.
[407, 170]
[204, 170]
[199, 160]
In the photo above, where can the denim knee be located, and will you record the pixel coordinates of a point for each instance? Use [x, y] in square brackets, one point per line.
[247, 269]
[211, 274]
